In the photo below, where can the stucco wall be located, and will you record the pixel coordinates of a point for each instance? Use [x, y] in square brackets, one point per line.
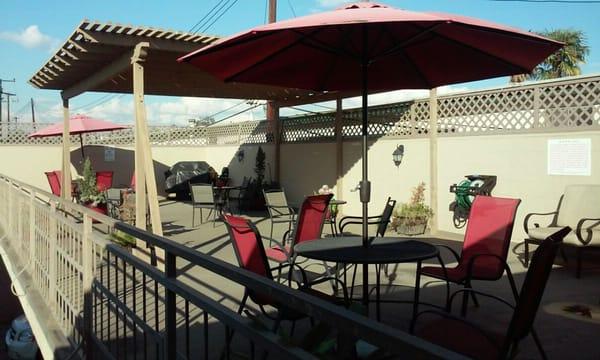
[519, 161]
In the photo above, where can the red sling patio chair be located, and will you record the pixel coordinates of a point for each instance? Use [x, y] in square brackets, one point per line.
[461, 336]
[485, 248]
[54, 182]
[104, 180]
[309, 226]
[250, 253]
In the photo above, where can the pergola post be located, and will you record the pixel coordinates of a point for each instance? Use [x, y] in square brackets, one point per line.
[433, 157]
[339, 149]
[66, 153]
[146, 192]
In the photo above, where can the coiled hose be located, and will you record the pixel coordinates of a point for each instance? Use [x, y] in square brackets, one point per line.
[463, 200]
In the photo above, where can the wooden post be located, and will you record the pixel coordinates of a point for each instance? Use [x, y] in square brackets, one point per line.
[142, 140]
[339, 149]
[66, 159]
[87, 253]
[433, 158]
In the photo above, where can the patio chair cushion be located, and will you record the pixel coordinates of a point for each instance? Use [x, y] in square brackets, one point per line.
[462, 338]
[543, 232]
[276, 254]
[579, 201]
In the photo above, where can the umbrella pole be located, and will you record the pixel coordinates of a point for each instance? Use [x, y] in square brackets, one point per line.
[365, 185]
[81, 143]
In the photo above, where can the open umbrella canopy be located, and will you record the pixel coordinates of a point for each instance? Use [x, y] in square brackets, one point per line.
[78, 124]
[402, 50]
[372, 47]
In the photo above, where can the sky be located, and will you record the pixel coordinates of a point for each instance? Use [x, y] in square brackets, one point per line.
[32, 30]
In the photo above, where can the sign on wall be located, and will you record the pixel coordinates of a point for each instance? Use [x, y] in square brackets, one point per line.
[570, 157]
[109, 154]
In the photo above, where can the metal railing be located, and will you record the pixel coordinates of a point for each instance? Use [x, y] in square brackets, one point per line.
[113, 304]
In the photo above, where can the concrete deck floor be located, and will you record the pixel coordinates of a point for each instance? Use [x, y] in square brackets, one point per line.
[563, 335]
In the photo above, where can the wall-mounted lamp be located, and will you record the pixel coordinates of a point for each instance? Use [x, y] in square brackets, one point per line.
[240, 155]
[398, 154]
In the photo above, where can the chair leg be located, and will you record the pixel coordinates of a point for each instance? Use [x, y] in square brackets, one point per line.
[526, 253]
[578, 271]
[465, 300]
[201, 216]
[271, 234]
[353, 279]
[193, 216]
[538, 343]
[511, 281]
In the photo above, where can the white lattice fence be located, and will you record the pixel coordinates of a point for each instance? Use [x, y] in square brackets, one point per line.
[568, 104]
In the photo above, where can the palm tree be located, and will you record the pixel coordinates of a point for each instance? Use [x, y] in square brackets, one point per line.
[564, 62]
[567, 60]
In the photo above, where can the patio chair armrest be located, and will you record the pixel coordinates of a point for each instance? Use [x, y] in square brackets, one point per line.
[464, 321]
[500, 260]
[580, 229]
[276, 209]
[291, 276]
[456, 256]
[356, 222]
[355, 218]
[530, 215]
[477, 292]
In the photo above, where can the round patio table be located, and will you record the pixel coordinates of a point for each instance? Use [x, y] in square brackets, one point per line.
[223, 194]
[382, 250]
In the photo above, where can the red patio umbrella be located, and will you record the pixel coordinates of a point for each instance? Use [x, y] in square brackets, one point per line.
[371, 47]
[78, 124]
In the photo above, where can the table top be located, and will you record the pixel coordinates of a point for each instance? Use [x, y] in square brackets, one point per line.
[337, 202]
[349, 249]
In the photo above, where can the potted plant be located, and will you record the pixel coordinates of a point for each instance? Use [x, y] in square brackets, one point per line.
[412, 218]
[254, 192]
[89, 195]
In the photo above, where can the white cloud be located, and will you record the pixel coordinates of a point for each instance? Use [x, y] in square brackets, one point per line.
[177, 111]
[30, 38]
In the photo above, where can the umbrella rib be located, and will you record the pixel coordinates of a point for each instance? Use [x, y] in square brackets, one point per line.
[521, 68]
[319, 45]
[406, 42]
[345, 38]
[402, 52]
[265, 59]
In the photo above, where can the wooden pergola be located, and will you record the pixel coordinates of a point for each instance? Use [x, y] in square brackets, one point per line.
[105, 57]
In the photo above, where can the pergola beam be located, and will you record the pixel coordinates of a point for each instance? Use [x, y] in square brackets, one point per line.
[157, 42]
[121, 64]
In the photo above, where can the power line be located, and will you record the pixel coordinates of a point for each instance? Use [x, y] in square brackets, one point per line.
[237, 113]
[93, 102]
[291, 8]
[220, 16]
[197, 25]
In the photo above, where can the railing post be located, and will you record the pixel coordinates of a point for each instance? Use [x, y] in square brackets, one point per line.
[10, 210]
[88, 277]
[170, 308]
[52, 256]
[32, 228]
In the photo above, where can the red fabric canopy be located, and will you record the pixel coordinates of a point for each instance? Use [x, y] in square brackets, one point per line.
[78, 124]
[403, 50]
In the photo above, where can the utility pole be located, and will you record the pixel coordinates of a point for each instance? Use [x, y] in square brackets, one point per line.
[2, 93]
[8, 95]
[32, 112]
